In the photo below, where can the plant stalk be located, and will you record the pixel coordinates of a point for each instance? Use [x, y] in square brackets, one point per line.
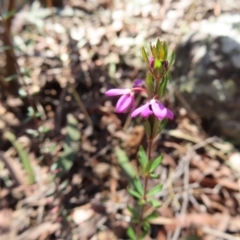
[146, 178]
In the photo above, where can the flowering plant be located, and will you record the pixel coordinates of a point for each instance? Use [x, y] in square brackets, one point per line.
[155, 116]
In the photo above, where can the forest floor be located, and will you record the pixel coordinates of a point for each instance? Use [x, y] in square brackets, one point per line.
[60, 176]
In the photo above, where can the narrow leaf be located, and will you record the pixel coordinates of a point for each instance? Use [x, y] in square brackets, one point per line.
[147, 127]
[146, 230]
[156, 128]
[125, 163]
[145, 57]
[142, 157]
[158, 46]
[161, 53]
[154, 190]
[146, 225]
[172, 58]
[131, 234]
[165, 47]
[155, 203]
[10, 78]
[132, 211]
[138, 185]
[150, 84]
[153, 50]
[163, 123]
[151, 216]
[154, 175]
[70, 146]
[134, 193]
[156, 163]
[163, 86]
[23, 156]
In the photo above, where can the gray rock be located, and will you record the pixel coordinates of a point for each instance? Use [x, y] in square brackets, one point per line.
[207, 72]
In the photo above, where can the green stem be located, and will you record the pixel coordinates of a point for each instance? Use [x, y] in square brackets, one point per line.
[146, 178]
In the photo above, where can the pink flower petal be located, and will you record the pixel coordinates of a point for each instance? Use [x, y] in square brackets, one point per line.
[159, 110]
[170, 115]
[124, 102]
[117, 91]
[137, 111]
[146, 112]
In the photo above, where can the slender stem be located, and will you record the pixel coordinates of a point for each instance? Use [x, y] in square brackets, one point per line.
[146, 178]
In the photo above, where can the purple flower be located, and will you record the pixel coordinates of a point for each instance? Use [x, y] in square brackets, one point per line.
[151, 61]
[155, 107]
[139, 83]
[125, 101]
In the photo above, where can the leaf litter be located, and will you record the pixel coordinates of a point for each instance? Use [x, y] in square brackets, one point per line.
[68, 60]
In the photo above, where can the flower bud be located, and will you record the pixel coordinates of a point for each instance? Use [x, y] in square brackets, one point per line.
[165, 64]
[151, 62]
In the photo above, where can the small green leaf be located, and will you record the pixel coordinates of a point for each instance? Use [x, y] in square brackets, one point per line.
[146, 230]
[145, 57]
[146, 225]
[158, 46]
[134, 193]
[172, 58]
[151, 216]
[72, 129]
[154, 175]
[23, 156]
[155, 203]
[156, 128]
[125, 163]
[163, 123]
[161, 53]
[32, 132]
[132, 211]
[142, 157]
[165, 47]
[70, 146]
[150, 84]
[156, 163]
[154, 190]
[163, 86]
[131, 233]
[138, 185]
[147, 127]
[154, 51]
[12, 77]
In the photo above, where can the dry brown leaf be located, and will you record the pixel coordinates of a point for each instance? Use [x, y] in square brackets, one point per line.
[46, 228]
[5, 219]
[135, 138]
[227, 183]
[105, 235]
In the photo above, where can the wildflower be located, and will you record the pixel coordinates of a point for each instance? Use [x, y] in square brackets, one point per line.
[139, 83]
[151, 61]
[154, 107]
[125, 101]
